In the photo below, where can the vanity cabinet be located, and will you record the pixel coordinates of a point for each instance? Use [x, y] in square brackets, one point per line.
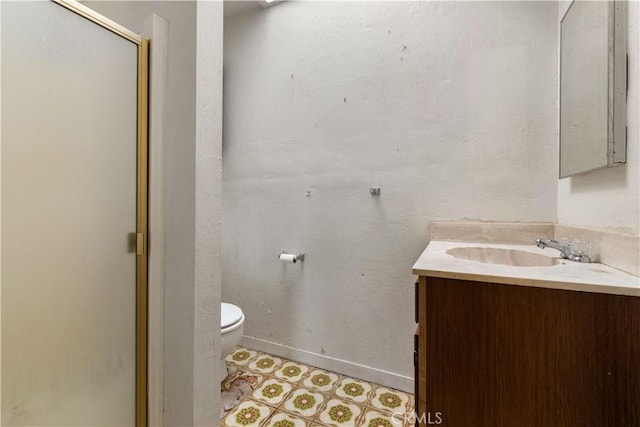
[500, 355]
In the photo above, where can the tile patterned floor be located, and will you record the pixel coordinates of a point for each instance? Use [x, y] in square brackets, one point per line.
[291, 394]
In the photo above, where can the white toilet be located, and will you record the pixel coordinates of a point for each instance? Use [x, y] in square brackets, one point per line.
[232, 324]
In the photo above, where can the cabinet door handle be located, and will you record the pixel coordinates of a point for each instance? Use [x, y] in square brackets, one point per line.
[416, 302]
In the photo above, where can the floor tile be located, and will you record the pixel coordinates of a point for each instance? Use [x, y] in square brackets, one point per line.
[339, 413]
[283, 393]
[241, 356]
[247, 414]
[354, 390]
[272, 391]
[373, 418]
[412, 404]
[292, 371]
[284, 419]
[303, 402]
[320, 380]
[389, 401]
[265, 364]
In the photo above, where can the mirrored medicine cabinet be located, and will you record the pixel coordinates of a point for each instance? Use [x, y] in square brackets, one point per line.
[593, 86]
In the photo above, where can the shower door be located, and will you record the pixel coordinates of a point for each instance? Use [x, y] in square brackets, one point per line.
[72, 218]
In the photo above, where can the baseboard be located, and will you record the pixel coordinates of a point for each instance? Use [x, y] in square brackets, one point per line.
[366, 373]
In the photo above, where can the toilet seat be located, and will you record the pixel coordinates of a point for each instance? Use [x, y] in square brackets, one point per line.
[231, 317]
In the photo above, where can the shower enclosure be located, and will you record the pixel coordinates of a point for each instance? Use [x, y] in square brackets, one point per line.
[73, 218]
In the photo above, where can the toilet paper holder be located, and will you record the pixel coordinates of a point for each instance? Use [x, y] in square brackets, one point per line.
[298, 257]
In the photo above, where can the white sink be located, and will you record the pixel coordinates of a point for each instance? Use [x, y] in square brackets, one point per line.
[511, 257]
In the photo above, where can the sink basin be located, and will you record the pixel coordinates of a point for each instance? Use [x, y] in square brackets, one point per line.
[503, 256]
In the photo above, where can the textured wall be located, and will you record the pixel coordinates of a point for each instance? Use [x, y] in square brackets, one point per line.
[449, 107]
[208, 214]
[610, 198]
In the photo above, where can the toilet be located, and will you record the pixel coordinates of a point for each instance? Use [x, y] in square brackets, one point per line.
[232, 325]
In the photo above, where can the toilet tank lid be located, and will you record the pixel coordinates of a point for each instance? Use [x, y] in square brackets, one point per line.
[229, 315]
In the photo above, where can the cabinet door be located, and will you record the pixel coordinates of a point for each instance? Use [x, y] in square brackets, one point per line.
[503, 356]
[416, 370]
[421, 361]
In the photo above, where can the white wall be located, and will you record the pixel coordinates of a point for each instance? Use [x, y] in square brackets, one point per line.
[191, 201]
[208, 214]
[449, 107]
[157, 30]
[610, 198]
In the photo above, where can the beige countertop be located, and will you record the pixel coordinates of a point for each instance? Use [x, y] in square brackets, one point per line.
[566, 275]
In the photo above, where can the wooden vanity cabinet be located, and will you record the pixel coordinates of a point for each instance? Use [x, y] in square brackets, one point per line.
[494, 355]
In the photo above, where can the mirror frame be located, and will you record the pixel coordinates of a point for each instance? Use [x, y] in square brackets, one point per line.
[617, 88]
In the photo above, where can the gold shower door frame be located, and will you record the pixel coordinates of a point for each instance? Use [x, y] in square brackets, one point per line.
[141, 208]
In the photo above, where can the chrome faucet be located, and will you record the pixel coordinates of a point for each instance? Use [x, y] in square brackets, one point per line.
[565, 249]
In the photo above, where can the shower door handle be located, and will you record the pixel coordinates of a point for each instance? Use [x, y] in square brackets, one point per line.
[136, 243]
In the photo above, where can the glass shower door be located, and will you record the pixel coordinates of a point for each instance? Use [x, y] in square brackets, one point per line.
[69, 217]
